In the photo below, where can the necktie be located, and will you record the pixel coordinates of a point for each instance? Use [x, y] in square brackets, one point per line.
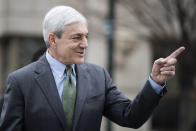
[69, 97]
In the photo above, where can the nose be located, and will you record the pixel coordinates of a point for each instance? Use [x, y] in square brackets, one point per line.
[84, 43]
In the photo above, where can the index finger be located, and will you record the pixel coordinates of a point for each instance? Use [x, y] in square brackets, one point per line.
[176, 52]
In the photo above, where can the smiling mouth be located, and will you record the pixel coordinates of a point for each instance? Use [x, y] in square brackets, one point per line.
[81, 53]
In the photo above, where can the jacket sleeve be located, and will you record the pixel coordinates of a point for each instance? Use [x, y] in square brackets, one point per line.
[126, 112]
[11, 118]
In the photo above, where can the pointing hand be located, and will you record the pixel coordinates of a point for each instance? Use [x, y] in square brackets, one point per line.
[164, 68]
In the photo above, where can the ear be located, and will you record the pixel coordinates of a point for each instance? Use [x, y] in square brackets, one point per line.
[52, 40]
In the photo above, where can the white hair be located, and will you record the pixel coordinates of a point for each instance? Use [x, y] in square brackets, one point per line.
[57, 18]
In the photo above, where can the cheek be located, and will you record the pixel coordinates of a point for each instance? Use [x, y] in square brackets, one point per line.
[74, 46]
[67, 50]
[62, 51]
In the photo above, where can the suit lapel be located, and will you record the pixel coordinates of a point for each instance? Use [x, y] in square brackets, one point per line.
[47, 84]
[82, 89]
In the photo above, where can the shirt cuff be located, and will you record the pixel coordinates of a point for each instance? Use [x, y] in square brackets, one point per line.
[157, 88]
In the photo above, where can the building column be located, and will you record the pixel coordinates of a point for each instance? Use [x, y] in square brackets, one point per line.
[13, 55]
[1, 73]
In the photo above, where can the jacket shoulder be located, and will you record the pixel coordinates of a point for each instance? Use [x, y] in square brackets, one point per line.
[24, 71]
[92, 67]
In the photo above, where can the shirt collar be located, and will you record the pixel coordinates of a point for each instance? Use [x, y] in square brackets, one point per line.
[57, 66]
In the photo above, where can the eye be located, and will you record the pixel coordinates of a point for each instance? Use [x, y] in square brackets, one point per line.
[79, 37]
[76, 37]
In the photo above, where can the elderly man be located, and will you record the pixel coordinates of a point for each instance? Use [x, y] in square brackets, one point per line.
[60, 92]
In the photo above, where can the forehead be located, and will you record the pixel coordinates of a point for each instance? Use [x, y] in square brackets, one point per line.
[76, 28]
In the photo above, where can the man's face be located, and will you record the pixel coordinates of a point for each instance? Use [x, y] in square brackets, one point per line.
[70, 47]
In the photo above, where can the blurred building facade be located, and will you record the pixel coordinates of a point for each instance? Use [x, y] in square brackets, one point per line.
[21, 36]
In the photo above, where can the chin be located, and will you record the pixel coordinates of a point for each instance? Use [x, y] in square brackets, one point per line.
[80, 61]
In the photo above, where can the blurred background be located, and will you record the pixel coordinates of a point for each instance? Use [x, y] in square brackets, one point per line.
[125, 36]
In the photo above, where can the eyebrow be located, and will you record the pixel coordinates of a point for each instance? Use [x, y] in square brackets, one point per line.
[79, 34]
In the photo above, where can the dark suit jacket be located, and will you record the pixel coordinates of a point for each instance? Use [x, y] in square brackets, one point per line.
[32, 102]
[1, 104]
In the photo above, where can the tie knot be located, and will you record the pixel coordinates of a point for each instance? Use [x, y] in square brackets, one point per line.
[68, 70]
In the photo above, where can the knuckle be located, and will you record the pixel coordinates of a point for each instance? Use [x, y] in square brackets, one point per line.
[158, 60]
